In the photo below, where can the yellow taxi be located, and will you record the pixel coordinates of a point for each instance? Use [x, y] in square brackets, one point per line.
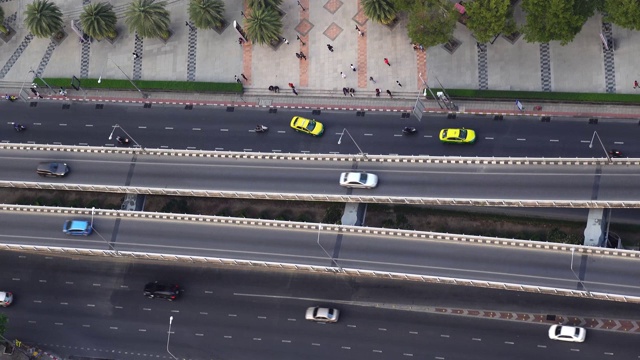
[458, 136]
[307, 126]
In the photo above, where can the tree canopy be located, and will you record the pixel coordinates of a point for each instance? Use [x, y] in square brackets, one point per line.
[624, 13]
[488, 18]
[555, 20]
[431, 22]
[43, 18]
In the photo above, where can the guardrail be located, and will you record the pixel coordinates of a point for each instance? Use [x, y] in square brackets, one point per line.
[577, 204]
[326, 157]
[328, 270]
[413, 234]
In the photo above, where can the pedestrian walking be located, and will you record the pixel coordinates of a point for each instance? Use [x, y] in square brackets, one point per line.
[235, 77]
[398, 82]
[353, 67]
[378, 92]
[386, 61]
[343, 75]
[284, 40]
[352, 91]
[357, 28]
[276, 89]
[371, 79]
[345, 91]
[298, 56]
[389, 93]
[291, 86]
[294, 91]
[360, 33]
[271, 88]
[244, 77]
[635, 84]
[302, 55]
[330, 47]
[240, 41]
[238, 80]
[34, 91]
[135, 55]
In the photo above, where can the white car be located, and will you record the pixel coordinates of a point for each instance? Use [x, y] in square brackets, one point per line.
[6, 298]
[321, 314]
[567, 333]
[360, 180]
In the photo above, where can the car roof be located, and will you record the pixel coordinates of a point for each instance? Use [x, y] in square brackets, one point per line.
[79, 224]
[568, 330]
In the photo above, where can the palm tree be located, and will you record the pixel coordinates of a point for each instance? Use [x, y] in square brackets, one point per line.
[264, 25]
[3, 29]
[149, 18]
[261, 4]
[381, 11]
[99, 21]
[43, 18]
[207, 14]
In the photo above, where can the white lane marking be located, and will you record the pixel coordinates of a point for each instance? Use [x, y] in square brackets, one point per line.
[88, 125]
[439, 357]
[351, 325]
[444, 335]
[164, 147]
[619, 142]
[69, 282]
[233, 315]
[119, 307]
[509, 342]
[413, 332]
[83, 144]
[542, 346]
[86, 325]
[64, 303]
[611, 354]
[31, 142]
[208, 292]
[489, 138]
[59, 324]
[62, 124]
[346, 347]
[42, 281]
[175, 311]
[521, 139]
[291, 320]
[281, 131]
[146, 309]
[168, 128]
[41, 124]
[32, 321]
[247, 149]
[315, 344]
[305, 151]
[382, 329]
[368, 134]
[226, 130]
[191, 147]
[276, 150]
[204, 313]
[196, 129]
[405, 354]
[109, 145]
[286, 341]
[15, 279]
[57, 143]
[37, 301]
[428, 136]
[397, 135]
[476, 339]
[142, 127]
[97, 284]
[219, 149]
[377, 351]
[113, 327]
[257, 339]
[91, 305]
[334, 152]
[142, 330]
[262, 317]
[575, 350]
[554, 140]
[199, 334]
[227, 336]
[585, 141]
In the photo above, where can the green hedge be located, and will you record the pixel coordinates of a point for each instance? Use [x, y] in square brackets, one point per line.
[545, 96]
[182, 86]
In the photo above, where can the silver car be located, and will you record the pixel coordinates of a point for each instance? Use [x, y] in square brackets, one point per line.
[320, 314]
[361, 180]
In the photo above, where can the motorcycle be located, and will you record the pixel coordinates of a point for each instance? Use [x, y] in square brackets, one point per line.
[409, 130]
[261, 129]
[19, 127]
[615, 153]
[122, 140]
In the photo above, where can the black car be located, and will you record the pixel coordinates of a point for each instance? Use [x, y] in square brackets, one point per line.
[54, 169]
[162, 291]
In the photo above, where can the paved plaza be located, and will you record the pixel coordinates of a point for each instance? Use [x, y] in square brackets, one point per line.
[206, 55]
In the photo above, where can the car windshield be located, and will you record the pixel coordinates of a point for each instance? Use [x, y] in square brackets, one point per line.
[311, 125]
[363, 178]
[53, 167]
[463, 133]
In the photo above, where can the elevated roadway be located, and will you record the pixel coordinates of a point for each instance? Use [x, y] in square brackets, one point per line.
[474, 182]
[509, 264]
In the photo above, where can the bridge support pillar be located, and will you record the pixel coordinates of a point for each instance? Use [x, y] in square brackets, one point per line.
[594, 232]
[354, 214]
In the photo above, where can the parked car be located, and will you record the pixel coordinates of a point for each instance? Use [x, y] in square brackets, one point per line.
[6, 298]
[162, 291]
[54, 169]
[567, 333]
[322, 314]
[360, 180]
[77, 227]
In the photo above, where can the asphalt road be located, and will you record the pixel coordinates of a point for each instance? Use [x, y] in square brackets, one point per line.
[376, 133]
[94, 308]
[385, 253]
[461, 181]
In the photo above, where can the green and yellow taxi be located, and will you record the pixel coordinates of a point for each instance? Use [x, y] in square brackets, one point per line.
[458, 136]
[307, 126]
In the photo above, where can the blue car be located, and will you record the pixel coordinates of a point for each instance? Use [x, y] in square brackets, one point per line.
[77, 227]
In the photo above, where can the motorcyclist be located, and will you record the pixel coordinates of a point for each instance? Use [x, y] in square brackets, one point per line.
[260, 128]
[18, 127]
[122, 140]
[615, 153]
[409, 130]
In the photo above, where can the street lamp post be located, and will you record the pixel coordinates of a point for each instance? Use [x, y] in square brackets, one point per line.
[144, 95]
[130, 137]
[606, 153]
[576, 275]
[325, 251]
[340, 141]
[169, 337]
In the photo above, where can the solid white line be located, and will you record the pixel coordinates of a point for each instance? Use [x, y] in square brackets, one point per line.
[219, 149]
[405, 354]
[396, 135]
[291, 319]
[346, 347]
[227, 336]
[83, 144]
[281, 132]
[146, 309]
[175, 311]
